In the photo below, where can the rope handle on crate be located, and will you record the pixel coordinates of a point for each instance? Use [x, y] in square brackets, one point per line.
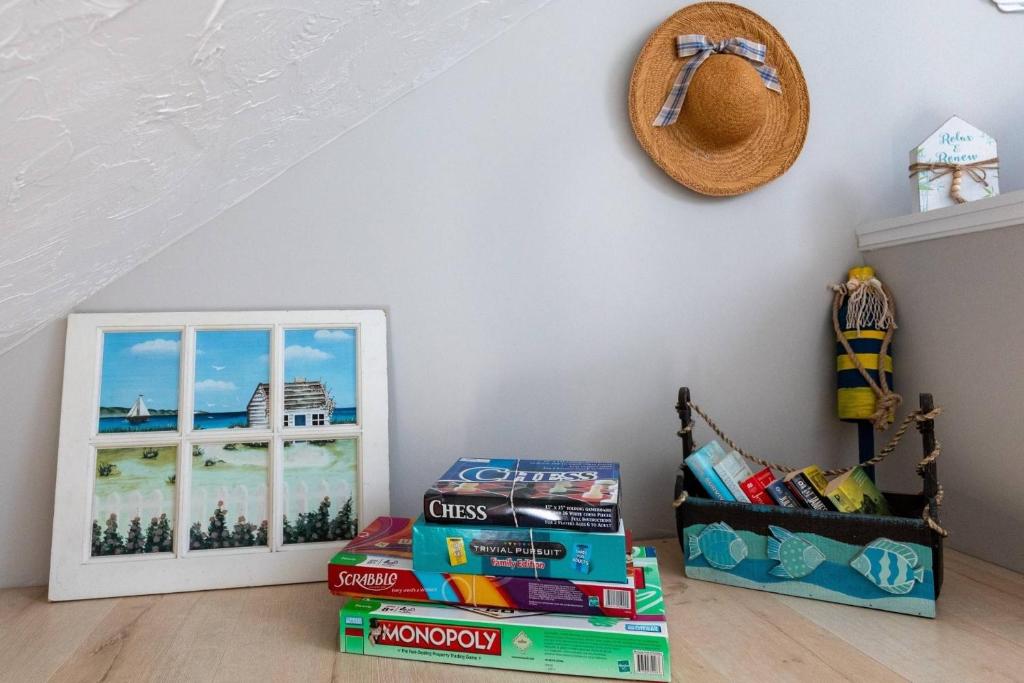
[915, 417]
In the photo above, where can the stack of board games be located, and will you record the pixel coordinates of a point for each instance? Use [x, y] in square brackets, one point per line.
[629, 649]
[517, 564]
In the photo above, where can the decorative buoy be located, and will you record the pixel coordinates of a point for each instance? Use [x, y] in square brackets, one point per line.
[864, 319]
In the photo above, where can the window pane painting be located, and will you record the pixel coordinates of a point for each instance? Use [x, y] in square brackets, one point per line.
[282, 454]
[133, 500]
[229, 496]
[139, 384]
[320, 490]
[320, 377]
[232, 379]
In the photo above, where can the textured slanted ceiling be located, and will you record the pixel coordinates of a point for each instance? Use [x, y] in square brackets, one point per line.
[125, 124]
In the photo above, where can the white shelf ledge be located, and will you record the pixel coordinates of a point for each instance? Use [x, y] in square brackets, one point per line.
[1004, 211]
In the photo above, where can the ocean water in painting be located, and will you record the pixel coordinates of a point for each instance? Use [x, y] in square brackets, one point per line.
[231, 381]
[240, 419]
[321, 370]
[134, 500]
[139, 381]
[229, 496]
[320, 490]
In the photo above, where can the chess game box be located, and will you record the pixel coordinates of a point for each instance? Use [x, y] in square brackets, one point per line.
[552, 494]
[378, 564]
[626, 649]
[508, 551]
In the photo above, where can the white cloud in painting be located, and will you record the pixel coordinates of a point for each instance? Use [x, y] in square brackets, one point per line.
[156, 347]
[332, 335]
[218, 368]
[306, 353]
[215, 385]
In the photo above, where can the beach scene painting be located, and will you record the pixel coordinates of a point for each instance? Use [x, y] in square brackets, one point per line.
[228, 502]
[320, 369]
[232, 375]
[320, 490]
[133, 500]
[139, 382]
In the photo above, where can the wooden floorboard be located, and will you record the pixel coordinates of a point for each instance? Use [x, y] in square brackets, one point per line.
[718, 633]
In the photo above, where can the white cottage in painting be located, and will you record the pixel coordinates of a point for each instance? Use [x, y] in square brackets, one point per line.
[966, 166]
[306, 404]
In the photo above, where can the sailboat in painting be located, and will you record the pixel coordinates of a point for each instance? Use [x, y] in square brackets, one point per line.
[138, 413]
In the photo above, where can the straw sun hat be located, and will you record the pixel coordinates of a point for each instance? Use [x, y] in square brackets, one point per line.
[735, 130]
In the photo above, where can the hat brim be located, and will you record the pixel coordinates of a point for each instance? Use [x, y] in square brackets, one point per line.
[757, 160]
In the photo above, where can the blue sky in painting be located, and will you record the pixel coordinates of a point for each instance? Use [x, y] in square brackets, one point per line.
[327, 355]
[140, 363]
[229, 365]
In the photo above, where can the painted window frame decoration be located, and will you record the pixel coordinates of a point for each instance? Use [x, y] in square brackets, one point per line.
[152, 564]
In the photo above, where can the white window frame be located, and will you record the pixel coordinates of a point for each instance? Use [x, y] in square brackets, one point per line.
[75, 574]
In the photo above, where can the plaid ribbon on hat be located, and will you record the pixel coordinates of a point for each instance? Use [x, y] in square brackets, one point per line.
[700, 48]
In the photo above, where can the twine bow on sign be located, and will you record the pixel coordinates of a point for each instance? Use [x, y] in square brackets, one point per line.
[975, 170]
[700, 48]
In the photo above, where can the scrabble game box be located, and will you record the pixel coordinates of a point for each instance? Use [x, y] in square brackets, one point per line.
[507, 551]
[554, 494]
[626, 649]
[378, 564]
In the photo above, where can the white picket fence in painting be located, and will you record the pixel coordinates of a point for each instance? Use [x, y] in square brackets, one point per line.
[134, 504]
[239, 500]
[305, 498]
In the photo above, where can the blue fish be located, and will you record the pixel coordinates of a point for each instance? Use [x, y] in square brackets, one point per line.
[720, 545]
[889, 565]
[797, 558]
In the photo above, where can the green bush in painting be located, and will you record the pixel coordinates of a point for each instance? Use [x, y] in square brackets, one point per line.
[112, 543]
[288, 532]
[97, 538]
[156, 539]
[343, 526]
[136, 542]
[261, 534]
[313, 527]
[159, 538]
[218, 535]
[197, 539]
[244, 533]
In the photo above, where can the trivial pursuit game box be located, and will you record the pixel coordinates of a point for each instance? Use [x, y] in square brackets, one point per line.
[378, 564]
[507, 551]
[555, 494]
[627, 649]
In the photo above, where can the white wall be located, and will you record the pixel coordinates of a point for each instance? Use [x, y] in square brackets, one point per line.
[548, 287]
[126, 124]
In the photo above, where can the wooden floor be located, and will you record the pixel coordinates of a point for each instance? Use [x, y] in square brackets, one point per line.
[289, 633]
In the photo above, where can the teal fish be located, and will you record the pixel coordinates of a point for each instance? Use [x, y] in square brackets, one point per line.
[797, 558]
[889, 565]
[720, 545]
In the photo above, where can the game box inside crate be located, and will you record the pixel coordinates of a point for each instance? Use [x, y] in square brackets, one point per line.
[891, 563]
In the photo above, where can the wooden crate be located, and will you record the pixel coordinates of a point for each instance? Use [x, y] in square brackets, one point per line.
[841, 537]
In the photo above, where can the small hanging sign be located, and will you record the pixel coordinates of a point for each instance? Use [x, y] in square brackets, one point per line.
[956, 164]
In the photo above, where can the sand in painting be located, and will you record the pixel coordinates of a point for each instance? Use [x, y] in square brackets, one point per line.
[133, 484]
[320, 493]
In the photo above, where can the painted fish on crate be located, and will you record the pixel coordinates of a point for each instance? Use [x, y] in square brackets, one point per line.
[891, 566]
[796, 557]
[720, 545]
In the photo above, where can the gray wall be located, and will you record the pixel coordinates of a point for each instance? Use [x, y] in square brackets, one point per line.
[960, 338]
[548, 287]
